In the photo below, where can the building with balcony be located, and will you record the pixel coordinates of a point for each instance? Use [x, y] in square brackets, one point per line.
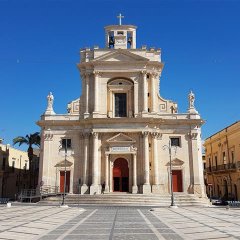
[222, 171]
[118, 129]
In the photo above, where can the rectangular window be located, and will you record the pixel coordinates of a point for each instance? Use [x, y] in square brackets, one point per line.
[175, 141]
[120, 105]
[66, 143]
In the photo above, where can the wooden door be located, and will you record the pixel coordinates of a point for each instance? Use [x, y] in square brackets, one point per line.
[62, 173]
[177, 180]
[120, 175]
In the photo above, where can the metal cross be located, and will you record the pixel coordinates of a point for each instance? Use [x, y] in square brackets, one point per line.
[120, 18]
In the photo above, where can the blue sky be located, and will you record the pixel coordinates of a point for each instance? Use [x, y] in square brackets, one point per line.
[40, 43]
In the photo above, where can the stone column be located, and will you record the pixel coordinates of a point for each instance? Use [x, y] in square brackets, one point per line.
[153, 92]
[135, 99]
[94, 189]
[96, 89]
[145, 92]
[84, 187]
[111, 177]
[196, 163]
[156, 181]
[86, 114]
[107, 173]
[134, 186]
[146, 186]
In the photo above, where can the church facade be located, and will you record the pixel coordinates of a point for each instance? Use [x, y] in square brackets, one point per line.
[120, 131]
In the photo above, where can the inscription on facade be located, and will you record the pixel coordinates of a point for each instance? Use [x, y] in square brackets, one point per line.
[120, 149]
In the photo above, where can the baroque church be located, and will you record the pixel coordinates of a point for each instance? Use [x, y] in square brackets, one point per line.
[119, 132]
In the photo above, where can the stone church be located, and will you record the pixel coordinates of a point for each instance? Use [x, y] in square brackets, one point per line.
[119, 131]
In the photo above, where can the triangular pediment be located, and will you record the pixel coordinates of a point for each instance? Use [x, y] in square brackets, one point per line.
[176, 162]
[62, 164]
[120, 56]
[120, 138]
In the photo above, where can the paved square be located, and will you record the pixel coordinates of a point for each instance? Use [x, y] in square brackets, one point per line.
[98, 222]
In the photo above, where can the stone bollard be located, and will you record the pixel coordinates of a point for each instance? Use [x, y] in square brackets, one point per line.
[9, 204]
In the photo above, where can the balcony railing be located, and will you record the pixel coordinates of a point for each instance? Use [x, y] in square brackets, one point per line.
[224, 167]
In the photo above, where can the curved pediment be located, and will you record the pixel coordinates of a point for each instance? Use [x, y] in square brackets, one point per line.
[121, 138]
[62, 164]
[176, 162]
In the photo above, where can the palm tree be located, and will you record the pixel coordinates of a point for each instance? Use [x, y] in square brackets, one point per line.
[30, 140]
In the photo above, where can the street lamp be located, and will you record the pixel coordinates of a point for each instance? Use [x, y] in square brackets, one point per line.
[65, 150]
[169, 147]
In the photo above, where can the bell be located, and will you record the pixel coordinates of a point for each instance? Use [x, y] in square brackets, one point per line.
[111, 41]
[130, 40]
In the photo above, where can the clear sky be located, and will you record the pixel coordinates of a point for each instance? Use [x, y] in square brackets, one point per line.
[40, 43]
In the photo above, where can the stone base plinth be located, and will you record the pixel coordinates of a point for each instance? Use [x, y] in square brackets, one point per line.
[106, 189]
[146, 189]
[157, 189]
[94, 189]
[86, 115]
[135, 189]
[84, 189]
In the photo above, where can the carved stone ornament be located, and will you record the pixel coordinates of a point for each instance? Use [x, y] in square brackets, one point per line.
[192, 136]
[48, 136]
[133, 148]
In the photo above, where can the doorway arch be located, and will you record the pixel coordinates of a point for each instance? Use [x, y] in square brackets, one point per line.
[120, 175]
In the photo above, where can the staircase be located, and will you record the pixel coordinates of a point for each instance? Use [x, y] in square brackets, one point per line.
[125, 199]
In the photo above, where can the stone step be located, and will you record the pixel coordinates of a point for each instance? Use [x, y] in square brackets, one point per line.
[128, 199]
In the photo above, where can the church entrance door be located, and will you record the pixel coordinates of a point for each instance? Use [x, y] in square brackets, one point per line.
[62, 173]
[120, 175]
[177, 180]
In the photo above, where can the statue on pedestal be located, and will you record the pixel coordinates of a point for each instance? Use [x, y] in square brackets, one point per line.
[191, 100]
[50, 99]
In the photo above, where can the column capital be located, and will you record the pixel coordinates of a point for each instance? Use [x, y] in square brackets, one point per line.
[156, 135]
[94, 134]
[145, 133]
[144, 72]
[96, 73]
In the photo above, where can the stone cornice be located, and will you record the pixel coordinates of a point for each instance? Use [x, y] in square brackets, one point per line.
[123, 121]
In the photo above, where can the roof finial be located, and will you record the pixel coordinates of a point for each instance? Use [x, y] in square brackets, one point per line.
[120, 18]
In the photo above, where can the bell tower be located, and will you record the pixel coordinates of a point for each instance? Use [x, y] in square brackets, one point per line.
[120, 36]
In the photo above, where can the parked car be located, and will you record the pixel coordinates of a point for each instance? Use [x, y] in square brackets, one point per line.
[216, 201]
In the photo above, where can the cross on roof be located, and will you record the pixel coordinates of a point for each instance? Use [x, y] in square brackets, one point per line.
[120, 18]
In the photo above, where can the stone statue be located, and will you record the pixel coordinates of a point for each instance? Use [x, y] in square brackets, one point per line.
[50, 99]
[191, 98]
[49, 110]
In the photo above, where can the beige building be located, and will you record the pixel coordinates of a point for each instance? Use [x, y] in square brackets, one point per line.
[120, 126]
[223, 162]
[14, 165]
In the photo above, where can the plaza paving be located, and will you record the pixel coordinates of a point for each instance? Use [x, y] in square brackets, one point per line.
[98, 222]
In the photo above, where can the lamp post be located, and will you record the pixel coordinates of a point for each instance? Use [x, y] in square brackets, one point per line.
[169, 147]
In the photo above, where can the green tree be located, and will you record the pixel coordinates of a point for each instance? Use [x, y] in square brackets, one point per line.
[30, 141]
